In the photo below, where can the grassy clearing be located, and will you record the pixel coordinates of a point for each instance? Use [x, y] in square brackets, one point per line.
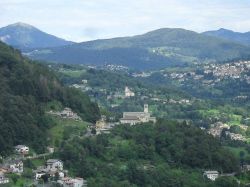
[73, 73]
[66, 128]
[232, 119]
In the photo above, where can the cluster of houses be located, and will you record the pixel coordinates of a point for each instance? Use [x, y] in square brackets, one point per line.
[214, 73]
[10, 166]
[13, 165]
[234, 136]
[53, 168]
[170, 101]
[66, 113]
[83, 86]
[217, 128]
[133, 118]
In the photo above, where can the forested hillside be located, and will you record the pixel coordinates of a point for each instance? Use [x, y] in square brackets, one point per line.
[25, 89]
[166, 154]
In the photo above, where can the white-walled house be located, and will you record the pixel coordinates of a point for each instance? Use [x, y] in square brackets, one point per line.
[39, 174]
[212, 175]
[16, 166]
[72, 182]
[54, 164]
[22, 149]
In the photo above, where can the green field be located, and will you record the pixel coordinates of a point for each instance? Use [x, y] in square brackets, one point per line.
[65, 129]
[73, 73]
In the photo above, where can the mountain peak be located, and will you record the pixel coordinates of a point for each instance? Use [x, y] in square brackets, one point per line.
[23, 25]
[23, 36]
[224, 30]
[242, 38]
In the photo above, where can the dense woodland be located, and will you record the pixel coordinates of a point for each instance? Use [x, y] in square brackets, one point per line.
[26, 88]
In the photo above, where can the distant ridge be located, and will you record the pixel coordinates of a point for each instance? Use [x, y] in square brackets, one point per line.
[242, 38]
[154, 50]
[23, 36]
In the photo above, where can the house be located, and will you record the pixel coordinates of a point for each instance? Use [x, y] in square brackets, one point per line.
[72, 182]
[246, 167]
[67, 112]
[39, 174]
[212, 175]
[54, 164]
[50, 171]
[22, 149]
[133, 118]
[51, 149]
[3, 179]
[15, 166]
[128, 92]
[84, 81]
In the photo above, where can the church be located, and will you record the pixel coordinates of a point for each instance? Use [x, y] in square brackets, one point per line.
[128, 92]
[133, 118]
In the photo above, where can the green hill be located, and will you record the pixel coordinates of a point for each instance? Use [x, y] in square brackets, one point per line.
[26, 89]
[156, 49]
[166, 154]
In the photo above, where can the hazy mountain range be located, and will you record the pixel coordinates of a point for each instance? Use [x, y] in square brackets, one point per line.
[23, 36]
[243, 38]
[156, 49]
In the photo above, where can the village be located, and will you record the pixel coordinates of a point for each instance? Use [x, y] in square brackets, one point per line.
[52, 171]
[213, 73]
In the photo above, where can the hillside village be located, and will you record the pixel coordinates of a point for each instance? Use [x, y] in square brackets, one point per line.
[212, 74]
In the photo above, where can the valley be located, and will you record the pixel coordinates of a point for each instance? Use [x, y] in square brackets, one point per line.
[165, 108]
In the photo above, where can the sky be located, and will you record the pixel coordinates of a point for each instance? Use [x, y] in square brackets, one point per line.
[83, 20]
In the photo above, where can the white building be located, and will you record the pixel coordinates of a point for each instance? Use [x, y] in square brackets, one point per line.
[128, 92]
[54, 164]
[84, 81]
[51, 149]
[15, 166]
[22, 149]
[39, 174]
[212, 175]
[133, 118]
[72, 182]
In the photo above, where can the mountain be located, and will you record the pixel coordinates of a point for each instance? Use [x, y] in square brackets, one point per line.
[26, 90]
[153, 50]
[242, 38]
[23, 36]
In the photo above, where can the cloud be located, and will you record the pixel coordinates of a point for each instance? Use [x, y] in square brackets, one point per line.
[80, 20]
